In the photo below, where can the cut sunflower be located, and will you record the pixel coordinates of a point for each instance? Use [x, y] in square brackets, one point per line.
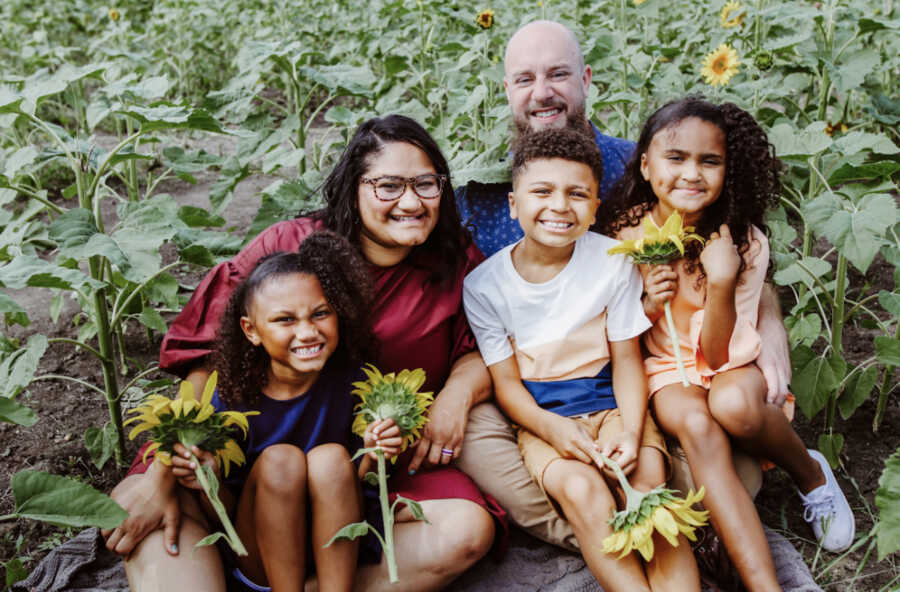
[190, 422]
[397, 397]
[661, 245]
[720, 65]
[732, 15]
[657, 510]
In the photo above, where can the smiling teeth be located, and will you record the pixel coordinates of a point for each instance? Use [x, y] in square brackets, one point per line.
[549, 113]
[308, 351]
[559, 225]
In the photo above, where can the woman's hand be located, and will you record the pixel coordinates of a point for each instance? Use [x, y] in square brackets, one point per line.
[384, 434]
[720, 257]
[443, 434]
[183, 467]
[570, 439]
[152, 503]
[660, 286]
[622, 448]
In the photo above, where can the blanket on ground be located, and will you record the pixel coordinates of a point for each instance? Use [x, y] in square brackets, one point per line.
[83, 564]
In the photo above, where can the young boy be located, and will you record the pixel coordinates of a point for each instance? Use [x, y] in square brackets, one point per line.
[557, 321]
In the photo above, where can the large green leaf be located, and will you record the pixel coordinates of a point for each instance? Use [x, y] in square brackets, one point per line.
[890, 301]
[805, 271]
[100, 443]
[789, 141]
[830, 446]
[860, 141]
[166, 116]
[63, 501]
[815, 380]
[887, 349]
[855, 229]
[875, 170]
[12, 312]
[887, 499]
[144, 228]
[18, 368]
[28, 270]
[14, 412]
[857, 391]
[78, 238]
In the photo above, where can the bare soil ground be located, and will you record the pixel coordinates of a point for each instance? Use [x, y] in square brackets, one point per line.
[55, 443]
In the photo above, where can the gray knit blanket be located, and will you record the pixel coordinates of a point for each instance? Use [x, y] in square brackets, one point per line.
[83, 564]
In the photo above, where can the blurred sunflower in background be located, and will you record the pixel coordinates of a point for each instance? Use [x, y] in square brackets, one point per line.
[485, 18]
[732, 15]
[720, 65]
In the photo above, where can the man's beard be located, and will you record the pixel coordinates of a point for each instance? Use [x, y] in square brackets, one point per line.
[576, 120]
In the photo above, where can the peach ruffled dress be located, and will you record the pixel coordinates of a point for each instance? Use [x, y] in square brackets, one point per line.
[687, 312]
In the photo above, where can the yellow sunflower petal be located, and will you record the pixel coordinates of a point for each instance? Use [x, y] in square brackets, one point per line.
[164, 457]
[186, 391]
[665, 524]
[153, 446]
[720, 65]
[176, 406]
[615, 542]
[209, 388]
[141, 427]
[651, 230]
[206, 411]
[672, 225]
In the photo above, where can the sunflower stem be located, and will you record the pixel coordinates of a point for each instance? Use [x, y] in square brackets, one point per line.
[387, 517]
[633, 497]
[675, 344]
[231, 535]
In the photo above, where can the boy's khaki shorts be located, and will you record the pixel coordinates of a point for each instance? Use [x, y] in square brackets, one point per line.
[601, 426]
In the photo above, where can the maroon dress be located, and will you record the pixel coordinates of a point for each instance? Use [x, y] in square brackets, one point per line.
[420, 324]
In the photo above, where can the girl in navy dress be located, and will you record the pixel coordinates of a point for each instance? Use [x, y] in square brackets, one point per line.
[290, 345]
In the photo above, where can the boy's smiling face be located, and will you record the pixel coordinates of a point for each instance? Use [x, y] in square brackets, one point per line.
[554, 200]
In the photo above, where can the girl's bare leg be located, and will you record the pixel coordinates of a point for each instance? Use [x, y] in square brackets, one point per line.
[684, 413]
[271, 519]
[334, 496]
[430, 556]
[586, 500]
[672, 568]
[150, 569]
[737, 402]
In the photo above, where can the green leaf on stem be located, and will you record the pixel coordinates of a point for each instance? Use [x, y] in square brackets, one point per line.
[12, 312]
[100, 443]
[789, 141]
[814, 381]
[28, 270]
[887, 499]
[857, 390]
[414, 507]
[830, 446]
[210, 540]
[350, 532]
[18, 368]
[63, 501]
[14, 412]
[887, 349]
[890, 301]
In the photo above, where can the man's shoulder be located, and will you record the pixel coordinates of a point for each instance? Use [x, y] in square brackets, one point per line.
[618, 145]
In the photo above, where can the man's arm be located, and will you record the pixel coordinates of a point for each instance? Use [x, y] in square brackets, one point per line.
[774, 356]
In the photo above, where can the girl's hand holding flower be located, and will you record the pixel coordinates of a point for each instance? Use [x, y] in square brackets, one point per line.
[660, 284]
[184, 468]
[384, 434]
[720, 258]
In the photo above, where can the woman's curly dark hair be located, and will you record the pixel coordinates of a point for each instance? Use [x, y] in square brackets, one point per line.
[244, 368]
[447, 243]
[752, 177]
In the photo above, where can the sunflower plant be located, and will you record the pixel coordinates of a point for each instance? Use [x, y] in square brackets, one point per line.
[397, 397]
[190, 422]
[659, 246]
[656, 510]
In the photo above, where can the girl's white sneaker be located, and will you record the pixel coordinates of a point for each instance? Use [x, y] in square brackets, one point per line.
[827, 511]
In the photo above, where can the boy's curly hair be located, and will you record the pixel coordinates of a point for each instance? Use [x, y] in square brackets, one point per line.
[244, 368]
[565, 143]
[752, 177]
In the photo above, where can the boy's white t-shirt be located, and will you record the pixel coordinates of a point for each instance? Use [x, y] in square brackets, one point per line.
[559, 329]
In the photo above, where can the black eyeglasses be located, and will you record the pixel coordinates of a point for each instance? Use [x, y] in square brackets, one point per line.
[391, 188]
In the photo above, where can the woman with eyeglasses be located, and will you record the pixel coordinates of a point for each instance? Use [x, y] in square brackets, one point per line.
[390, 195]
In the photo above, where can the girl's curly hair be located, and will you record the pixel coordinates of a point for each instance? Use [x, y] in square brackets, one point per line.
[244, 368]
[752, 177]
[446, 246]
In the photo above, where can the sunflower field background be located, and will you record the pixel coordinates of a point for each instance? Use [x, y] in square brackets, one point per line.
[143, 141]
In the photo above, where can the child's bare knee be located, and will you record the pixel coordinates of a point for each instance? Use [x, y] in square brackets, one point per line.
[698, 428]
[737, 411]
[467, 538]
[583, 490]
[281, 468]
[329, 466]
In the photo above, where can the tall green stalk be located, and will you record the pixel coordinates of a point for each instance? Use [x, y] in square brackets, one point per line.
[837, 329]
[884, 390]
